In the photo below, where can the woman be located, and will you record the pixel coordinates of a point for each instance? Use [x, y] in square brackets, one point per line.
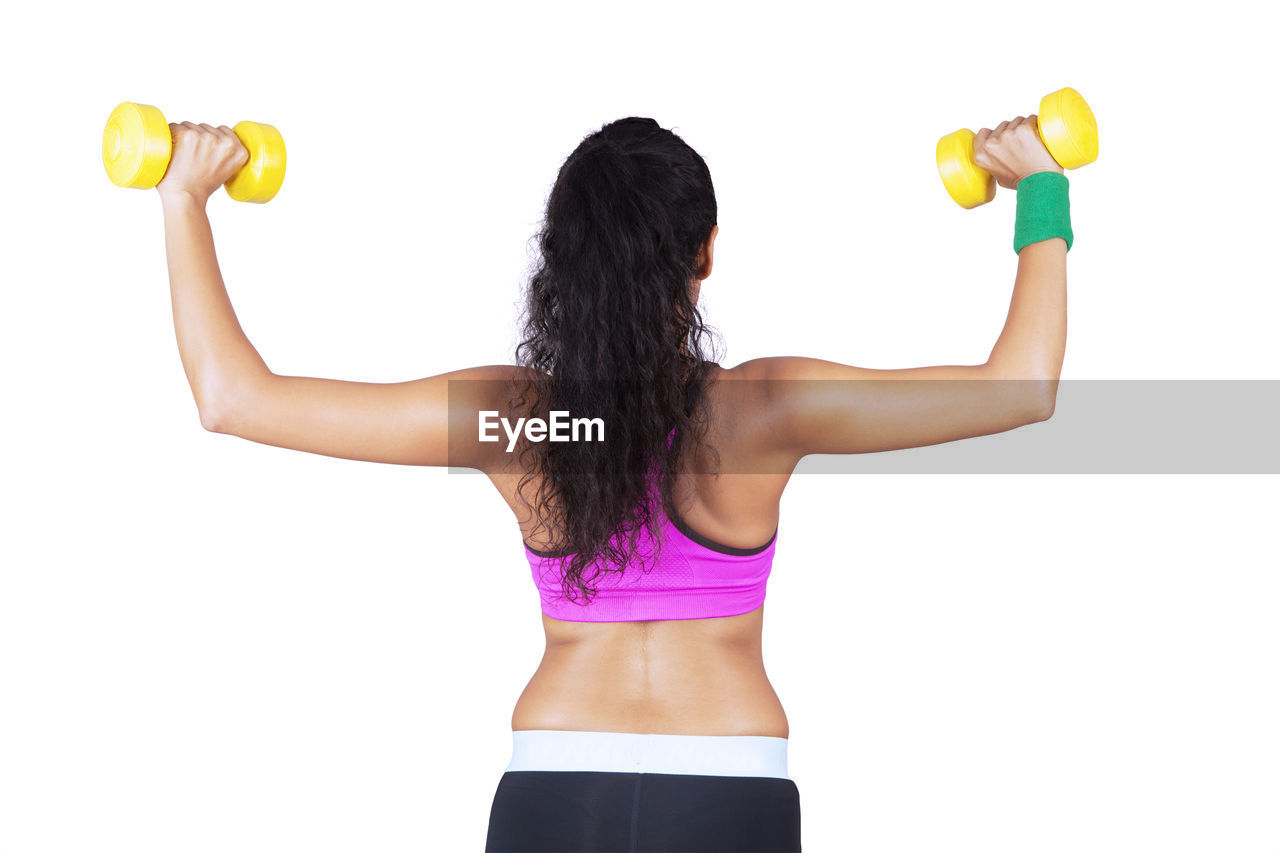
[650, 723]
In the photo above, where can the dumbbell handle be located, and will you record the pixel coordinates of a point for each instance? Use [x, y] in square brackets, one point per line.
[137, 145]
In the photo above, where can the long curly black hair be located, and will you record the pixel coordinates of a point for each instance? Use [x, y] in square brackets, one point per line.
[611, 330]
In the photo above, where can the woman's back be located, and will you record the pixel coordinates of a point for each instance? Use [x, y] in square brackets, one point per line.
[673, 676]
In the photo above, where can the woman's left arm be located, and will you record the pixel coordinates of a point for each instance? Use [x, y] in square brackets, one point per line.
[406, 423]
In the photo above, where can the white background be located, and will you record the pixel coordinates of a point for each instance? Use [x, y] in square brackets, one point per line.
[211, 645]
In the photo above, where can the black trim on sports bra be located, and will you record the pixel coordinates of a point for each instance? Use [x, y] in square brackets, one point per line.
[712, 544]
[704, 541]
[544, 554]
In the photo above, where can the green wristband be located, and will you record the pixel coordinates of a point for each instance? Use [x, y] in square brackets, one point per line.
[1043, 210]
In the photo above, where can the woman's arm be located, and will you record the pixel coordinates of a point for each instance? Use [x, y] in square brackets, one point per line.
[823, 407]
[213, 347]
[401, 422]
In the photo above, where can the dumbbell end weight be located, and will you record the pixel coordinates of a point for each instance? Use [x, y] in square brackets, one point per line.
[260, 179]
[968, 184]
[1068, 128]
[136, 146]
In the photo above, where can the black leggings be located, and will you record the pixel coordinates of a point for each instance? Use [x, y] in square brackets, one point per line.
[558, 811]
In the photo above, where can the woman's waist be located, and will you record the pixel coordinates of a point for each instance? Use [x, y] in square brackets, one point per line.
[697, 692]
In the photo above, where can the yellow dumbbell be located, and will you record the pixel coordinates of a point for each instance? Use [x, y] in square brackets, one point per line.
[1067, 128]
[137, 145]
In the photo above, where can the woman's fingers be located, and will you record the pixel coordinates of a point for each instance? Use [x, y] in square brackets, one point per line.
[204, 157]
[980, 140]
[241, 155]
[988, 148]
[1014, 150]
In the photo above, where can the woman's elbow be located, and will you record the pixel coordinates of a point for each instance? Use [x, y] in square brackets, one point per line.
[213, 419]
[224, 404]
[1042, 397]
[217, 412]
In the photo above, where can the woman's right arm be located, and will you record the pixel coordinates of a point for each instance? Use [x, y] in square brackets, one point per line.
[816, 406]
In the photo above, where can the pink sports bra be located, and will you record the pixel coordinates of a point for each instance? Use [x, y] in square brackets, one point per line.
[693, 578]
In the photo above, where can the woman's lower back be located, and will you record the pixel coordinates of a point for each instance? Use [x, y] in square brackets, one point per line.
[689, 676]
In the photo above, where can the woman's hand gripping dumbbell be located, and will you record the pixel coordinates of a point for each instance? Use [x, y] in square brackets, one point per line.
[140, 149]
[1011, 151]
[1064, 135]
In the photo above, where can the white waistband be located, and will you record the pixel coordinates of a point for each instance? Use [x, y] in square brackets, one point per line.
[626, 752]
